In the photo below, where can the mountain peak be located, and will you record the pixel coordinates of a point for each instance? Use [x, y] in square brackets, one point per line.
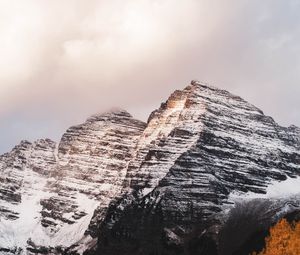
[110, 114]
[199, 148]
[114, 173]
[196, 83]
[39, 143]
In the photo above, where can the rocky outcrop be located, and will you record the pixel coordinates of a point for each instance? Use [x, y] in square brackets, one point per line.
[25, 159]
[24, 174]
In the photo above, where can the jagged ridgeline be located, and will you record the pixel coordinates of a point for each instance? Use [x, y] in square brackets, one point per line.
[116, 185]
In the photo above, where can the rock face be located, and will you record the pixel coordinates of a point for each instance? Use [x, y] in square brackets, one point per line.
[202, 145]
[24, 173]
[115, 185]
[49, 194]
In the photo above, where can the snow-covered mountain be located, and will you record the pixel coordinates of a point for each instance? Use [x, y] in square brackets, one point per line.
[209, 147]
[116, 185]
[49, 192]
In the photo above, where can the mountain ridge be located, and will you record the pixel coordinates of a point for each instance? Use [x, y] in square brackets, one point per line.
[177, 169]
[232, 151]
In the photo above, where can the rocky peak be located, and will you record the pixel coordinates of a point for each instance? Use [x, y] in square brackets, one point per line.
[199, 147]
[62, 185]
[40, 153]
[91, 167]
[170, 132]
[111, 115]
[23, 144]
[177, 125]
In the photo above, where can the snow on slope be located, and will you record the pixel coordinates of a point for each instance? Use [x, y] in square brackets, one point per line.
[216, 144]
[28, 225]
[49, 193]
[171, 131]
[28, 211]
[275, 190]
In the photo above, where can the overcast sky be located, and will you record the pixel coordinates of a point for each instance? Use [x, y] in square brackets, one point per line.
[63, 60]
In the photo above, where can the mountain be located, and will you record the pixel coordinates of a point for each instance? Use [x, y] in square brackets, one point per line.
[207, 146]
[49, 192]
[205, 165]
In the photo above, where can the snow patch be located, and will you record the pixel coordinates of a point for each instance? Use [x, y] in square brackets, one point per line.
[276, 189]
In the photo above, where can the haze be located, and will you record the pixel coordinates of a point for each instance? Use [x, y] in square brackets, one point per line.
[62, 61]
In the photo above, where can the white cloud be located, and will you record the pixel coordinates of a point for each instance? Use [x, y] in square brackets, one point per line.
[69, 59]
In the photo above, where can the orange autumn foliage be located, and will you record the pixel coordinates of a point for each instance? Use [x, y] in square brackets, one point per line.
[284, 239]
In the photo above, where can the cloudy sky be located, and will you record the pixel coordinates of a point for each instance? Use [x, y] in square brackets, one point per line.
[63, 60]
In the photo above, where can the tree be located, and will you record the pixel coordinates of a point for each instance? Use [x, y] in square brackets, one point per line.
[284, 239]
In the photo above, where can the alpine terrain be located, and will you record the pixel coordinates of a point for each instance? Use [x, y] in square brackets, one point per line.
[208, 174]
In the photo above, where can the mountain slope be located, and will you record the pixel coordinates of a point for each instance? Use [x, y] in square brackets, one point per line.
[24, 173]
[234, 148]
[49, 193]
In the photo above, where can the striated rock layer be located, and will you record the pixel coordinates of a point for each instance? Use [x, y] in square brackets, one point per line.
[115, 185]
[24, 174]
[49, 193]
[202, 145]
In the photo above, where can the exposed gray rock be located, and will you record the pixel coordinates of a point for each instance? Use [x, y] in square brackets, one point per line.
[115, 185]
[216, 144]
[49, 193]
